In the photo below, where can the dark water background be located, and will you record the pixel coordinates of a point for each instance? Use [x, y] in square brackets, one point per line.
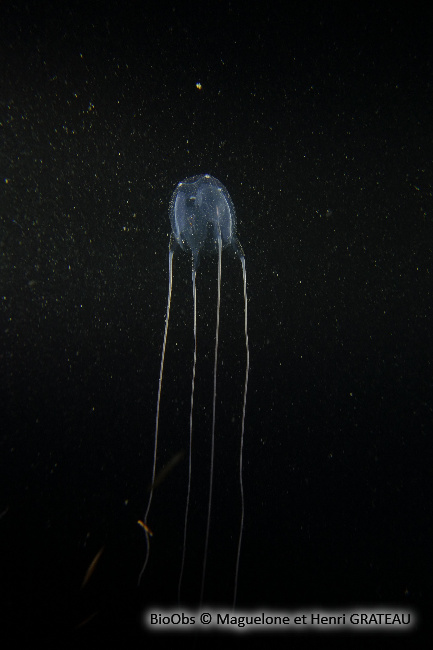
[318, 119]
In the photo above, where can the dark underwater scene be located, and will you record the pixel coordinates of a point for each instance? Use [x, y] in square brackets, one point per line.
[315, 120]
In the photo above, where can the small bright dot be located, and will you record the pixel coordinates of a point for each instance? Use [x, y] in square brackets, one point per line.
[198, 85]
